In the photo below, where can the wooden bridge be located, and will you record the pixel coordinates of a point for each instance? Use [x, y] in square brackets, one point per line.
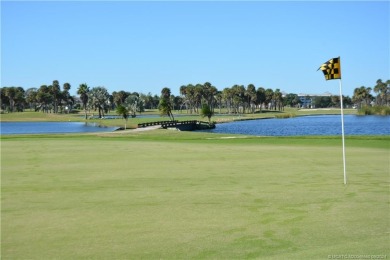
[188, 125]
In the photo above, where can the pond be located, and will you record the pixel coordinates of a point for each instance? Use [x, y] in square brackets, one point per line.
[9, 128]
[308, 125]
[298, 126]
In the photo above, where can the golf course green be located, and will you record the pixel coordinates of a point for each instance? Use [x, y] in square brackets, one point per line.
[176, 195]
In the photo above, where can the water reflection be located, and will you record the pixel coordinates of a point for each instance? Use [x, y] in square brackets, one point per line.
[309, 125]
[8, 128]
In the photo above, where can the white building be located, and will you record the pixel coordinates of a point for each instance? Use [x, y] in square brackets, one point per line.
[307, 100]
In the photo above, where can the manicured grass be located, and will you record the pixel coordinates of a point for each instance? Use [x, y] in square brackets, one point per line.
[178, 195]
[30, 116]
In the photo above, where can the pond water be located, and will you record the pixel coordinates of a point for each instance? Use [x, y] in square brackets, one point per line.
[8, 128]
[298, 126]
[308, 125]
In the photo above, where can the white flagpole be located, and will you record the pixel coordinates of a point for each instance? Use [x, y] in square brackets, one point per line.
[342, 131]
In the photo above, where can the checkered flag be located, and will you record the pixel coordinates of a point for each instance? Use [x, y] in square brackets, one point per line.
[331, 69]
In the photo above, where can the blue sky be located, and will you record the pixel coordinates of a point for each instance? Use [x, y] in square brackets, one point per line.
[145, 46]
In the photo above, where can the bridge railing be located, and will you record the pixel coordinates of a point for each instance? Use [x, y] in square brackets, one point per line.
[175, 123]
[154, 123]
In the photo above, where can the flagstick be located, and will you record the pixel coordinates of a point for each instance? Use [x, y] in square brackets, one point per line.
[342, 132]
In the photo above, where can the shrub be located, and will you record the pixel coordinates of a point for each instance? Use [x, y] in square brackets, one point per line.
[375, 110]
[288, 115]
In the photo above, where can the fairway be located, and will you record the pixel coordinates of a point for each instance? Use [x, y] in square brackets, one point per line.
[178, 195]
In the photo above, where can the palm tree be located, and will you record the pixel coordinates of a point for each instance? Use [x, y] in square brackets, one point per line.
[278, 99]
[31, 97]
[66, 97]
[227, 95]
[388, 92]
[269, 93]
[251, 95]
[189, 96]
[362, 95]
[165, 105]
[66, 86]
[357, 96]
[4, 99]
[383, 89]
[185, 102]
[148, 100]
[208, 93]
[206, 111]
[219, 97]
[20, 100]
[45, 98]
[176, 102]
[13, 98]
[260, 94]
[238, 97]
[83, 92]
[98, 98]
[11, 94]
[197, 97]
[134, 104]
[120, 97]
[124, 112]
[55, 91]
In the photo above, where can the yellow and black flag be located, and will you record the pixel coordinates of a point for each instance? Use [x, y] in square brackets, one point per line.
[331, 69]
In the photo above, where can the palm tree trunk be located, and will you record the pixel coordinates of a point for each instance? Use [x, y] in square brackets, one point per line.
[85, 111]
[100, 112]
[171, 116]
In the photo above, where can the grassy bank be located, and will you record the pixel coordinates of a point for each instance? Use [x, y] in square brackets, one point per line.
[375, 110]
[177, 195]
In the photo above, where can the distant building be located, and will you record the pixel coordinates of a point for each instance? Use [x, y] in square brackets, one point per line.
[307, 100]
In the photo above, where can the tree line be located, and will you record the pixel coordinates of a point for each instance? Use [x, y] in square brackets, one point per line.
[47, 97]
[362, 96]
[193, 97]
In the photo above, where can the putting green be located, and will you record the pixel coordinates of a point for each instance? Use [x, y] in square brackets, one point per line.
[173, 195]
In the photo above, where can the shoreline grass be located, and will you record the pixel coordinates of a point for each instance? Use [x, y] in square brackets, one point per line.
[375, 110]
[175, 195]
